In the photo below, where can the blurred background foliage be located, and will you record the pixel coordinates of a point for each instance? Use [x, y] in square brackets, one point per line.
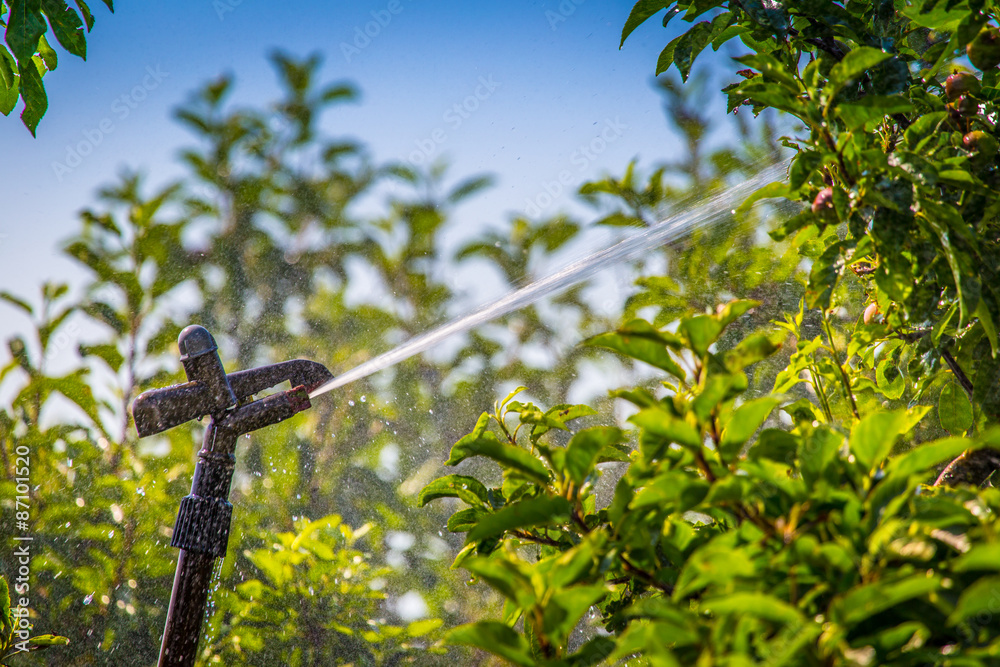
[287, 243]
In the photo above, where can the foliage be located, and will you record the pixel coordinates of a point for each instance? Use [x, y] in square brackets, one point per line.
[796, 523]
[898, 165]
[306, 579]
[807, 545]
[15, 629]
[31, 56]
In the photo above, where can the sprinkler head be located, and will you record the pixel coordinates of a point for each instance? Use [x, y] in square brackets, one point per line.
[211, 391]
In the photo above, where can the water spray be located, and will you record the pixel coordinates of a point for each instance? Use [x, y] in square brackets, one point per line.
[202, 528]
[633, 247]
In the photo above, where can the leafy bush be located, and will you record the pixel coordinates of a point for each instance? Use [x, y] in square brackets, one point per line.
[723, 541]
[734, 536]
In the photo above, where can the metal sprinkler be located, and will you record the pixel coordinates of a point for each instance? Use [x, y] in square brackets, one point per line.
[202, 528]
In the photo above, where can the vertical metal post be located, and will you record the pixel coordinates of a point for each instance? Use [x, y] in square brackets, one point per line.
[187, 607]
[202, 534]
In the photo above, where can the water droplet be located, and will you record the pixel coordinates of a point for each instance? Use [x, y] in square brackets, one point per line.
[351, 403]
[89, 598]
[364, 398]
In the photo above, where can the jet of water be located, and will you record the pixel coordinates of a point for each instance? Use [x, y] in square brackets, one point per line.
[666, 231]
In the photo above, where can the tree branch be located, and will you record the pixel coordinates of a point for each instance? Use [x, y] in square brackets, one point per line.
[960, 375]
[972, 467]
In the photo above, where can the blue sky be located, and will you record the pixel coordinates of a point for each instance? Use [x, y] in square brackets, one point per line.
[549, 77]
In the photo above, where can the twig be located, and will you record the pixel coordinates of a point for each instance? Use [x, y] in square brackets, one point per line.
[538, 539]
[646, 576]
[960, 375]
[843, 373]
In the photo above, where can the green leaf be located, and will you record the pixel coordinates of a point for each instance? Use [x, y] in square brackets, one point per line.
[5, 625]
[760, 605]
[954, 409]
[17, 301]
[106, 352]
[33, 94]
[540, 511]
[772, 70]
[25, 25]
[868, 600]
[769, 191]
[640, 12]
[467, 489]
[640, 340]
[7, 67]
[718, 388]
[594, 652]
[981, 557]
[752, 349]
[88, 17]
[508, 576]
[776, 445]
[423, 627]
[508, 456]
[665, 425]
[496, 638]
[977, 598]
[585, 447]
[689, 45]
[989, 326]
[565, 412]
[567, 606]
[465, 520]
[672, 493]
[9, 97]
[874, 437]
[40, 642]
[889, 380]
[619, 219]
[507, 399]
[701, 331]
[67, 26]
[826, 271]
[769, 14]
[927, 456]
[47, 54]
[853, 65]
[872, 107]
[744, 423]
[734, 310]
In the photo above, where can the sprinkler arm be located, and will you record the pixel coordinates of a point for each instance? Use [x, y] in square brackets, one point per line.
[157, 410]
